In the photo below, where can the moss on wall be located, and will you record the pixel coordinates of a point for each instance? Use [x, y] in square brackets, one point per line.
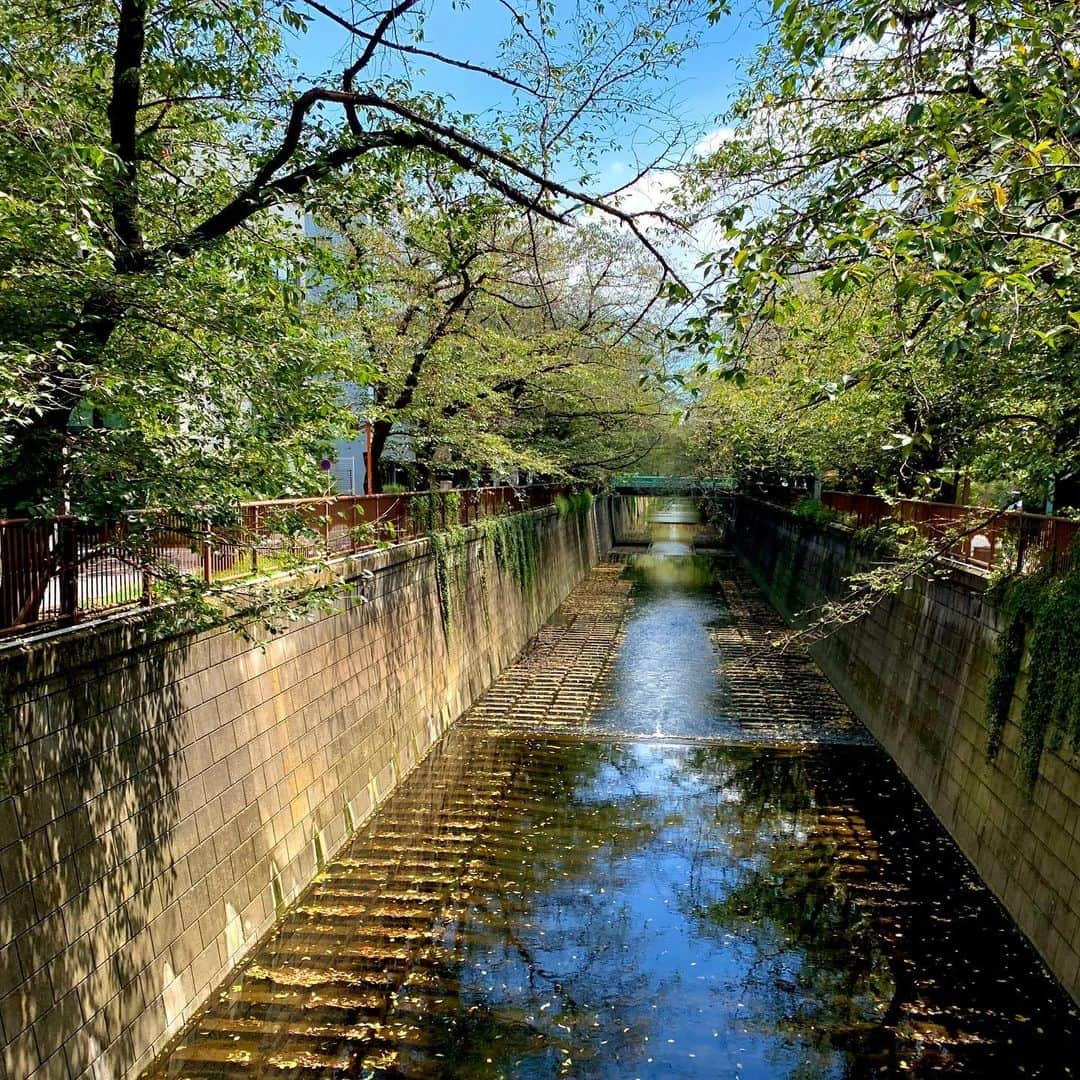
[1043, 612]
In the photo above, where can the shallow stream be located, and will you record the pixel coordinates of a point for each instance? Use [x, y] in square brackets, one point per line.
[707, 870]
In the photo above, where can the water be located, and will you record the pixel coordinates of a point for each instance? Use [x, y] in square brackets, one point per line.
[676, 606]
[628, 863]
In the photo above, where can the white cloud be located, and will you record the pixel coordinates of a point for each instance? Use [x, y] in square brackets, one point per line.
[655, 192]
[713, 141]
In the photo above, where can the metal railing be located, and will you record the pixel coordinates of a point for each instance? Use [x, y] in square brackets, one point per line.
[58, 571]
[985, 537]
[673, 485]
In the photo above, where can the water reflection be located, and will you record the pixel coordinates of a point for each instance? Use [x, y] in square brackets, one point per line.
[724, 911]
[532, 907]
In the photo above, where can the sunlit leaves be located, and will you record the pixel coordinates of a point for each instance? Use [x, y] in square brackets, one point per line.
[925, 162]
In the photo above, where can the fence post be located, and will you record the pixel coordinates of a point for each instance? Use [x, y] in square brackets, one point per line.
[254, 539]
[69, 571]
[207, 564]
[147, 598]
[1021, 546]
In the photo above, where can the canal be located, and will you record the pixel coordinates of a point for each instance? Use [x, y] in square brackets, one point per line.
[657, 846]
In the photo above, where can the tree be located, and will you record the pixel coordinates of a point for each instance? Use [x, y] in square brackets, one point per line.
[499, 342]
[156, 158]
[813, 396]
[924, 159]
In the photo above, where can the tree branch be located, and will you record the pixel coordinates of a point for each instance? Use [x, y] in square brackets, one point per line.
[373, 42]
[413, 50]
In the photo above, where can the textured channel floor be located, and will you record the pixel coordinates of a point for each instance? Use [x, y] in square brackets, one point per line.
[779, 695]
[549, 896]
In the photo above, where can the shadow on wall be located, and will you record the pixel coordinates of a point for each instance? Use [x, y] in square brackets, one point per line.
[87, 828]
[161, 804]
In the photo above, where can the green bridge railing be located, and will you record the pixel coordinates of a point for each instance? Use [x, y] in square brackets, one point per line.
[673, 485]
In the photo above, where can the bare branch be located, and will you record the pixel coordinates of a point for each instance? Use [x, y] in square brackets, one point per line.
[373, 42]
[413, 50]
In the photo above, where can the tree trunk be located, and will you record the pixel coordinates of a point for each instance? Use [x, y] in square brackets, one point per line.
[34, 480]
[380, 432]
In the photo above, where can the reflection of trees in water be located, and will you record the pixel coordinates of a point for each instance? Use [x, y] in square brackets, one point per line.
[834, 911]
[538, 952]
[871, 933]
[818, 973]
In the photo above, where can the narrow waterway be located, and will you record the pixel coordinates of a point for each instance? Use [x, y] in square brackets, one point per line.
[658, 846]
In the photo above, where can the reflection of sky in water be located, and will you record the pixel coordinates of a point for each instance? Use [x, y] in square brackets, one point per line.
[665, 678]
[703, 912]
[673, 527]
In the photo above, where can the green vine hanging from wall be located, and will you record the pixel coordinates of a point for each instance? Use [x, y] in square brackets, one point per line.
[1043, 611]
[431, 511]
[578, 504]
[514, 540]
[448, 550]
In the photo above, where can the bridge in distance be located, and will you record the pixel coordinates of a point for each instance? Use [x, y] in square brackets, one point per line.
[632, 484]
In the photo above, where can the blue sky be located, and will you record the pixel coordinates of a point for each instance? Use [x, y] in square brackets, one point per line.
[702, 88]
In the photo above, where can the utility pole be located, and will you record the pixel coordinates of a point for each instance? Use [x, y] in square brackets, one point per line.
[369, 480]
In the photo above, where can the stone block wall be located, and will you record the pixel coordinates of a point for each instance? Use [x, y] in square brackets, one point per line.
[915, 671]
[165, 800]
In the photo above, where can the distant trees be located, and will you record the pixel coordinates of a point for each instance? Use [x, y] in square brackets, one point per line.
[917, 164]
[496, 340]
[155, 161]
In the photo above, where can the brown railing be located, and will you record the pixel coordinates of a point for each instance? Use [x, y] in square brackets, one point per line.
[57, 571]
[985, 537]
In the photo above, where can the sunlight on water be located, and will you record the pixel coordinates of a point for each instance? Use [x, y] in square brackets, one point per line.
[713, 874]
[664, 681]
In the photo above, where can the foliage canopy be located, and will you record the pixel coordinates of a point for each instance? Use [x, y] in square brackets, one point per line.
[157, 162]
[918, 164]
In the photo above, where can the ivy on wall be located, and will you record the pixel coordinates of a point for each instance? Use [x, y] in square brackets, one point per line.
[514, 541]
[434, 510]
[1042, 611]
[577, 504]
[511, 540]
[448, 551]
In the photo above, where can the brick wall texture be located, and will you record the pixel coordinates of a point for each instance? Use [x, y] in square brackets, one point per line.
[915, 671]
[163, 801]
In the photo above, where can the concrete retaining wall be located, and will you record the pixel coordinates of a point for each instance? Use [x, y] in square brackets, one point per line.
[915, 671]
[165, 800]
